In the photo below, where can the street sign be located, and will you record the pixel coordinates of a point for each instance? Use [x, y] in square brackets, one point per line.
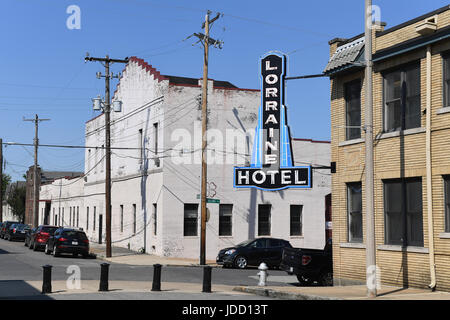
[209, 200]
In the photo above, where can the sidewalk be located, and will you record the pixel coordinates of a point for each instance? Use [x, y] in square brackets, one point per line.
[355, 292]
[135, 290]
[125, 256]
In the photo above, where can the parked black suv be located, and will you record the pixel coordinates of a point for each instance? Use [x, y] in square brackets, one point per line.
[5, 226]
[16, 231]
[253, 252]
[68, 240]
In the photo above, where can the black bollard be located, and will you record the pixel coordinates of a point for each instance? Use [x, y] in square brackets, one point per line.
[207, 278]
[47, 281]
[104, 277]
[156, 286]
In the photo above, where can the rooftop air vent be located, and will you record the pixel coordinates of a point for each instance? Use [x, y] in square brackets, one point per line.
[428, 26]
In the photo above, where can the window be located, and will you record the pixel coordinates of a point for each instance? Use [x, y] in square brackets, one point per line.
[121, 218]
[274, 243]
[354, 212]
[155, 139]
[403, 212]
[78, 216]
[89, 160]
[260, 243]
[353, 109]
[87, 218]
[102, 158]
[225, 219]
[446, 77]
[134, 219]
[264, 219]
[296, 220]
[155, 218]
[70, 215]
[402, 99]
[190, 219]
[95, 209]
[140, 146]
[447, 202]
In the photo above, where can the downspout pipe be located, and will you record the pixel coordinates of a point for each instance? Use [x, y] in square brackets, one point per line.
[432, 285]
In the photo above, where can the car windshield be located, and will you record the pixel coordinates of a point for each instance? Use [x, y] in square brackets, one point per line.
[50, 230]
[20, 226]
[74, 234]
[243, 244]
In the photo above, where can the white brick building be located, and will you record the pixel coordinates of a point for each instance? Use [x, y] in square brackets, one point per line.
[154, 192]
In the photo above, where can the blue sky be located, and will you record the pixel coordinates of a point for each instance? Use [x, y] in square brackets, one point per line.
[43, 69]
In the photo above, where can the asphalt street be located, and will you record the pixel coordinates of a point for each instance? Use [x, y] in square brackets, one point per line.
[19, 263]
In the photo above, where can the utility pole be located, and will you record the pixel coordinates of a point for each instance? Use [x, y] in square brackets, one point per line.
[107, 110]
[1, 180]
[207, 41]
[371, 273]
[36, 121]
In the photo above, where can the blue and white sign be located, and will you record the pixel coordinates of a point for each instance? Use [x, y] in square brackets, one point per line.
[271, 166]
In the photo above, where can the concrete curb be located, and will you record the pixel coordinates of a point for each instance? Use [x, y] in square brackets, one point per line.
[282, 295]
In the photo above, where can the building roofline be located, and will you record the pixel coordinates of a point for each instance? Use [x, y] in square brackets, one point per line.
[412, 21]
[411, 44]
[94, 118]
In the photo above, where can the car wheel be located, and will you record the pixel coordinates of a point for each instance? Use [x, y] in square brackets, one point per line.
[304, 281]
[74, 255]
[25, 243]
[35, 248]
[47, 251]
[326, 279]
[55, 252]
[240, 262]
[9, 238]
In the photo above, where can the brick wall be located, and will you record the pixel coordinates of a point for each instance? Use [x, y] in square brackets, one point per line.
[397, 267]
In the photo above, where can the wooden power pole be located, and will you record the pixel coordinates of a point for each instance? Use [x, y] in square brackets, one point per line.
[107, 111]
[36, 121]
[207, 41]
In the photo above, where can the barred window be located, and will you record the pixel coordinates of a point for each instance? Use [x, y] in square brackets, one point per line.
[353, 109]
[225, 219]
[447, 202]
[446, 78]
[121, 218]
[134, 219]
[403, 212]
[296, 220]
[354, 212]
[190, 219]
[264, 219]
[402, 99]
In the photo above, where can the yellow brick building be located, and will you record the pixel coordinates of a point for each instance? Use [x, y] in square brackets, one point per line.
[411, 81]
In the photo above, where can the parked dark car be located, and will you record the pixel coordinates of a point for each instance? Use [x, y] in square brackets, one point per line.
[309, 265]
[16, 231]
[253, 253]
[68, 240]
[28, 235]
[5, 227]
[39, 238]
